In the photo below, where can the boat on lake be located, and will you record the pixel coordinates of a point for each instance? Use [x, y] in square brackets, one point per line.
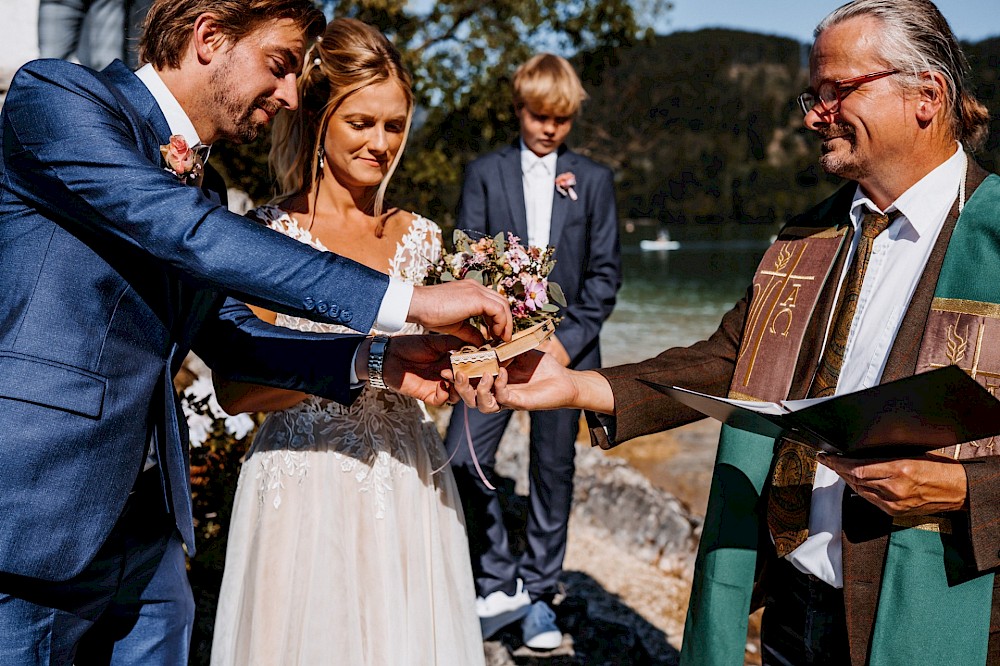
[660, 243]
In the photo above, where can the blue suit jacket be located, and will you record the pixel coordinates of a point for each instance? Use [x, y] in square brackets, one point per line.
[110, 270]
[584, 233]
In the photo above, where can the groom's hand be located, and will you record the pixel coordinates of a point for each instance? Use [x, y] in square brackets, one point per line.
[445, 308]
[413, 364]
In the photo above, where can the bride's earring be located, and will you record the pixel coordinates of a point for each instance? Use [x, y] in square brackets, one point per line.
[320, 152]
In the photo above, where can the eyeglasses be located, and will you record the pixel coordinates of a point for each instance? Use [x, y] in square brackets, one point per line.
[832, 93]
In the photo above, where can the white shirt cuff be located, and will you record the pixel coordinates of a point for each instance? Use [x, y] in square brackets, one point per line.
[395, 306]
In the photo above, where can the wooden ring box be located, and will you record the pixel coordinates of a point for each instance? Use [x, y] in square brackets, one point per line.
[473, 362]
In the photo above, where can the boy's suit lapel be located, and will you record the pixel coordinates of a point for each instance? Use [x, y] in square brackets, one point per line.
[560, 202]
[513, 187]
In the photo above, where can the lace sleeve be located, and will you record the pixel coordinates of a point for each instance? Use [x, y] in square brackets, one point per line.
[278, 220]
[419, 248]
[266, 215]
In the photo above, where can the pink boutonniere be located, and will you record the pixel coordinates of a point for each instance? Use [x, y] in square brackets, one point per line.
[182, 161]
[565, 182]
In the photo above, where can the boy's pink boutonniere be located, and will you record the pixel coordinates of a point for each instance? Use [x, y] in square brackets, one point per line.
[183, 161]
[565, 182]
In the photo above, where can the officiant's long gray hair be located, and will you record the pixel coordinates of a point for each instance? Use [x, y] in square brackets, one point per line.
[350, 55]
[917, 39]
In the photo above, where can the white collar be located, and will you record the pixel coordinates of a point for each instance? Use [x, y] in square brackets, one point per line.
[177, 120]
[530, 159]
[927, 202]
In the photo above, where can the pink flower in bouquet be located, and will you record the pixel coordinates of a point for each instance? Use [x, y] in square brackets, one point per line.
[534, 293]
[565, 182]
[182, 161]
[517, 258]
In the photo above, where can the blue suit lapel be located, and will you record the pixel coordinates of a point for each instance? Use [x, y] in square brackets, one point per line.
[561, 203]
[187, 306]
[135, 95]
[513, 186]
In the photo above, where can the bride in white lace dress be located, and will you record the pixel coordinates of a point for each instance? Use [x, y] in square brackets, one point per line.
[347, 543]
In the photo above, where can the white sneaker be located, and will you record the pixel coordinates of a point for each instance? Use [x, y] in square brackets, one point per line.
[498, 609]
[539, 628]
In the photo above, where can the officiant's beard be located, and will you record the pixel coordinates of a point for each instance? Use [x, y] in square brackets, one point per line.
[840, 153]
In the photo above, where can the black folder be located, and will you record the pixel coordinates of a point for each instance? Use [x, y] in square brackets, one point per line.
[907, 417]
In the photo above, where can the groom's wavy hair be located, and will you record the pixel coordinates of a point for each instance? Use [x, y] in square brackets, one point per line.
[916, 39]
[350, 55]
[166, 30]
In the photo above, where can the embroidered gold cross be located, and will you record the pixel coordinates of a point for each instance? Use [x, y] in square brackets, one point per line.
[779, 301]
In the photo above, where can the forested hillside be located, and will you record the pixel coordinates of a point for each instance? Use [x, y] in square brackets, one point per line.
[704, 132]
[705, 135]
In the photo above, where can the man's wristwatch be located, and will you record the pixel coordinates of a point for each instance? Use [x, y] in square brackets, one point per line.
[376, 356]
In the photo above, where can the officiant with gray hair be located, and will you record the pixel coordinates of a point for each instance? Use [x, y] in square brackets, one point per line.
[856, 561]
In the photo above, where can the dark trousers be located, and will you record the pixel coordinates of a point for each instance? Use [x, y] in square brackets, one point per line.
[804, 622]
[131, 605]
[550, 494]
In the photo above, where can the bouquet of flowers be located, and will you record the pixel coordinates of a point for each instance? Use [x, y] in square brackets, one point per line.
[518, 272]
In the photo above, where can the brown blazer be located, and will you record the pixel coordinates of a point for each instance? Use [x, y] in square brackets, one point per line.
[708, 367]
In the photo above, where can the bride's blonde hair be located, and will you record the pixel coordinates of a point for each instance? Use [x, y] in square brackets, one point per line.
[350, 55]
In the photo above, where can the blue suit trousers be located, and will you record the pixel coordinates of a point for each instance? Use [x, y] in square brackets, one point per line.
[131, 605]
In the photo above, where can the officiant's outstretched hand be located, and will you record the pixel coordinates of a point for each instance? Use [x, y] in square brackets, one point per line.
[534, 381]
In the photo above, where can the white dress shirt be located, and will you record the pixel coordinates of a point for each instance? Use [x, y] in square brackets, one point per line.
[538, 175]
[396, 301]
[899, 256]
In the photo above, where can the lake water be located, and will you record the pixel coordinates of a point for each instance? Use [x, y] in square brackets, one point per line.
[676, 297]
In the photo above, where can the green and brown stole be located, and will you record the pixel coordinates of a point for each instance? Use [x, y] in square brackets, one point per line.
[786, 291]
[916, 594]
[932, 608]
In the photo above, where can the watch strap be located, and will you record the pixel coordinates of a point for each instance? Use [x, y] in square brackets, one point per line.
[376, 359]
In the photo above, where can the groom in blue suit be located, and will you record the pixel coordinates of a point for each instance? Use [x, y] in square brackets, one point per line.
[111, 269]
[545, 194]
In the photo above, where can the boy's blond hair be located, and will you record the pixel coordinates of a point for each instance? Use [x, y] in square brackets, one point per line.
[548, 83]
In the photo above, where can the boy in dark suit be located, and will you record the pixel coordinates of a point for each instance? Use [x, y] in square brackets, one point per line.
[545, 194]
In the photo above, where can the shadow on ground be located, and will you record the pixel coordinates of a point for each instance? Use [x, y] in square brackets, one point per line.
[598, 627]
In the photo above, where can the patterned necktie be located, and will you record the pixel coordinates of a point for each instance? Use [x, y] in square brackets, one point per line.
[791, 486]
